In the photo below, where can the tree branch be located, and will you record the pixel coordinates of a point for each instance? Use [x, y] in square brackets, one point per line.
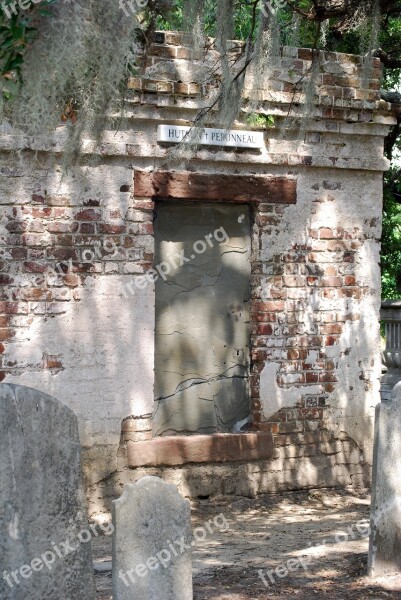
[388, 61]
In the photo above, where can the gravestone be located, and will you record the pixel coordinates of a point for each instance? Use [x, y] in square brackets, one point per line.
[151, 543]
[385, 522]
[45, 550]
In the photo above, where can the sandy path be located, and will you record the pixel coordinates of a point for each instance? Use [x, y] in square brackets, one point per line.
[307, 544]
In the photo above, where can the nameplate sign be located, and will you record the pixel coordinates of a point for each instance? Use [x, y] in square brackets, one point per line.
[232, 138]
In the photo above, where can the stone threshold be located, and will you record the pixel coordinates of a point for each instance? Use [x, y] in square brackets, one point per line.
[214, 448]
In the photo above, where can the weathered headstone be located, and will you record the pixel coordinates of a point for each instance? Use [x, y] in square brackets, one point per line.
[151, 543]
[45, 550]
[385, 521]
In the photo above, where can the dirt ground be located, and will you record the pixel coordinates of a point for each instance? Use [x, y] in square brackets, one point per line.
[322, 533]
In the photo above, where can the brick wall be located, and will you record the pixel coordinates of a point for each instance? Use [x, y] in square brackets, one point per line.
[55, 246]
[282, 290]
[77, 312]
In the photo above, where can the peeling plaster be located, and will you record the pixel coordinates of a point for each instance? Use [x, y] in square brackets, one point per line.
[273, 397]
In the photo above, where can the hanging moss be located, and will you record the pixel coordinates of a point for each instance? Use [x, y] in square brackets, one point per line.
[77, 67]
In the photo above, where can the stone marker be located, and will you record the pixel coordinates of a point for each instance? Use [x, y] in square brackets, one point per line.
[385, 521]
[45, 552]
[151, 543]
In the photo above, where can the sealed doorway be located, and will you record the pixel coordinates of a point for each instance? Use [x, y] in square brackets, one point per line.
[202, 345]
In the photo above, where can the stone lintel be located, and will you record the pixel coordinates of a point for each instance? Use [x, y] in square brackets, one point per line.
[186, 185]
[215, 448]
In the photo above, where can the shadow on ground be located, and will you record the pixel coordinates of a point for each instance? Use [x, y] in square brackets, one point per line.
[316, 527]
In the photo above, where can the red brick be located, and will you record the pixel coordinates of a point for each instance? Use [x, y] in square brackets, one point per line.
[331, 294]
[2, 348]
[311, 377]
[291, 281]
[63, 240]
[109, 228]
[256, 417]
[13, 308]
[305, 54]
[87, 228]
[52, 362]
[63, 253]
[310, 414]
[143, 204]
[272, 427]
[318, 364]
[264, 220]
[60, 227]
[71, 280]
[36, 227]
[311, 342]
[349, 280]
[327, 378]
[163, 51]
[16, 227]
[331, 271]
[330, 234]
[6, 279]
[291, 427]
[6, 334]
[264, 329]
[258, 355]
[18, 253]
[40, 213]
[35, 267]
[37, 294]
[332, 281]
[350, 293]
[88, 214]
[331, 329]
[349, 257]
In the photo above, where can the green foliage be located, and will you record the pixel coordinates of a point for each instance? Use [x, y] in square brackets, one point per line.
[259, 120]
[17, 33]
[391, 238]
[176, 18]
